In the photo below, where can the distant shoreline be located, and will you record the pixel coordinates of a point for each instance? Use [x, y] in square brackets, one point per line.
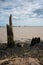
[23, 26]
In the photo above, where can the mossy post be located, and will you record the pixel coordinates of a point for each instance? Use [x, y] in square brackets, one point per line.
[10, 40]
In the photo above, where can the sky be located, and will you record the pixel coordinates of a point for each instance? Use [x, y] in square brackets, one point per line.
[24, 12]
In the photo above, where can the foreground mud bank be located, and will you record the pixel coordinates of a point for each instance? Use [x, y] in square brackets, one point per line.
[20, 61]
[31, 55]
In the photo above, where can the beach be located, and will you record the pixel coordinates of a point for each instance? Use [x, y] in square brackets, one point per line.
[22, 33]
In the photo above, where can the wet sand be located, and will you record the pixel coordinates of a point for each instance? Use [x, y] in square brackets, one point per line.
[22, 33]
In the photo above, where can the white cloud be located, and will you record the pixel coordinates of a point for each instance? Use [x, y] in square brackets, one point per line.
[21, 9]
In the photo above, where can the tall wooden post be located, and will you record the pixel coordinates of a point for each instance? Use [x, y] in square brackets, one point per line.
[10, 20]
[10, 39]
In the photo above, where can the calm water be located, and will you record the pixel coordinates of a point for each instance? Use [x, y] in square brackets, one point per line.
[22, 33]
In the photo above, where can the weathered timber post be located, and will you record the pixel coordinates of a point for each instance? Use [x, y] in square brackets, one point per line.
[10, 40]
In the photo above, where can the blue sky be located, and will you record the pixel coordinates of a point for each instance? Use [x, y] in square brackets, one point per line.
[24, 12]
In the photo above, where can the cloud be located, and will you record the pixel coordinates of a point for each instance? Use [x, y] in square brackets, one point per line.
[2, 0]
[21, 9]
[39, 12]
